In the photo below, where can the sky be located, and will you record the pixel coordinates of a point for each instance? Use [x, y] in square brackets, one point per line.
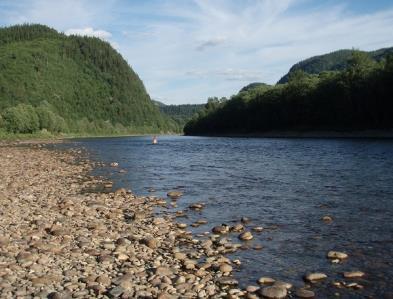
[188, 50]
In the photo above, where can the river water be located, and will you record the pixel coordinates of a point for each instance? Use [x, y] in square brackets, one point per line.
[286, 185]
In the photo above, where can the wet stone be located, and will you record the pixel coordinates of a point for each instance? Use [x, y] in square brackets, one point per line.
[303, 293]
[274, 292]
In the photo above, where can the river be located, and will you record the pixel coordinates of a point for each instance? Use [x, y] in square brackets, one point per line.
[284, 185]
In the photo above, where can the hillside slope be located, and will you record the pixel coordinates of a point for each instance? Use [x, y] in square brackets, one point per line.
[80, 79]
[334, 61]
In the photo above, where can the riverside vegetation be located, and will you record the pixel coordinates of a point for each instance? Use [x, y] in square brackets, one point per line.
[355, 98]
[71, 84]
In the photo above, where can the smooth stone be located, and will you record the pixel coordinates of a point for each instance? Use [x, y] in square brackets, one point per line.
[180, 256]
[252, 289]
[257, 229]
[196, 206]
[163, 271]
[104, 280]
[266, 280]
[282, 284]
[116, 291]
[174, 194]
[4, 240]
[353, 274]
[220, 229]
[337, 255]
[237, 227]
[246, 236]
[225, 268]
[303, 293]
[315, 276]
[181, 225]
[121, 192]
[227, 281]
[202, 221]
[245, 220]
[274, 292]
[327, 218]
[150, 242]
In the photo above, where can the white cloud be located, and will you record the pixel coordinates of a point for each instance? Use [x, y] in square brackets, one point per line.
[227, 74]
[89, 31]
[186, 51]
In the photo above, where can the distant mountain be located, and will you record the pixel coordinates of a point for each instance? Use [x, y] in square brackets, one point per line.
[334, 61]
[47, 78]
[181, 114]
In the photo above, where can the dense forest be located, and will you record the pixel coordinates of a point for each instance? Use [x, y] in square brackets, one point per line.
[334, 61]
[72, 84]
[355, 98]
[180, 114]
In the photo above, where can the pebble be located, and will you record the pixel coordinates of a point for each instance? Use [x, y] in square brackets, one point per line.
[174, 194]
[353, 274]
[237, 227]
[315, 276]
[220, 229]
[266, 280]
[274, 292]
[245, 220]
[252, 289]
[163, 271]
[337, 255]
[246, 236]
[98, 245]
[257, 229]
[227, 281]
[282, 284]
[225, 268]
[150, 242]
[304, 293]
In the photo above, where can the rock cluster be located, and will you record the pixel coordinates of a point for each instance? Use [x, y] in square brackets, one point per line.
[57, 241]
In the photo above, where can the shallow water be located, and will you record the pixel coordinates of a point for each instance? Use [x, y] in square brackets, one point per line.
[289, 183]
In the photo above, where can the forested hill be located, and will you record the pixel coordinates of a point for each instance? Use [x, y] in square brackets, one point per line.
[50, 81]
[356, 98]
[334, 61]
[181, 114]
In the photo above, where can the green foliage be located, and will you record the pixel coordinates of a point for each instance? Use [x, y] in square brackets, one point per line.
[80, 78]
[334, 61]
[50, 120]
[180, 114]
[358, 97]
[253, 86]
[21, 119]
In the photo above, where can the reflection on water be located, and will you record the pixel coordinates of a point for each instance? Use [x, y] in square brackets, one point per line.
[288, 183]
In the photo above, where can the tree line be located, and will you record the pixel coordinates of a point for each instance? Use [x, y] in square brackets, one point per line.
[358, 97]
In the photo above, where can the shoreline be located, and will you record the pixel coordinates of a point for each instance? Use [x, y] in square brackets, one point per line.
[60, 241]
[365, 134]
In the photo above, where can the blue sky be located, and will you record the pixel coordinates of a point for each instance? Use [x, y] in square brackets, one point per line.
[188, 50]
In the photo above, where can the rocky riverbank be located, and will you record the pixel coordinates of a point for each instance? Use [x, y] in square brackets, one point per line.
[60, 240]
[57, 241]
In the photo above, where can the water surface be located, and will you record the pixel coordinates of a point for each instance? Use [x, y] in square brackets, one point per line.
[288, 183]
